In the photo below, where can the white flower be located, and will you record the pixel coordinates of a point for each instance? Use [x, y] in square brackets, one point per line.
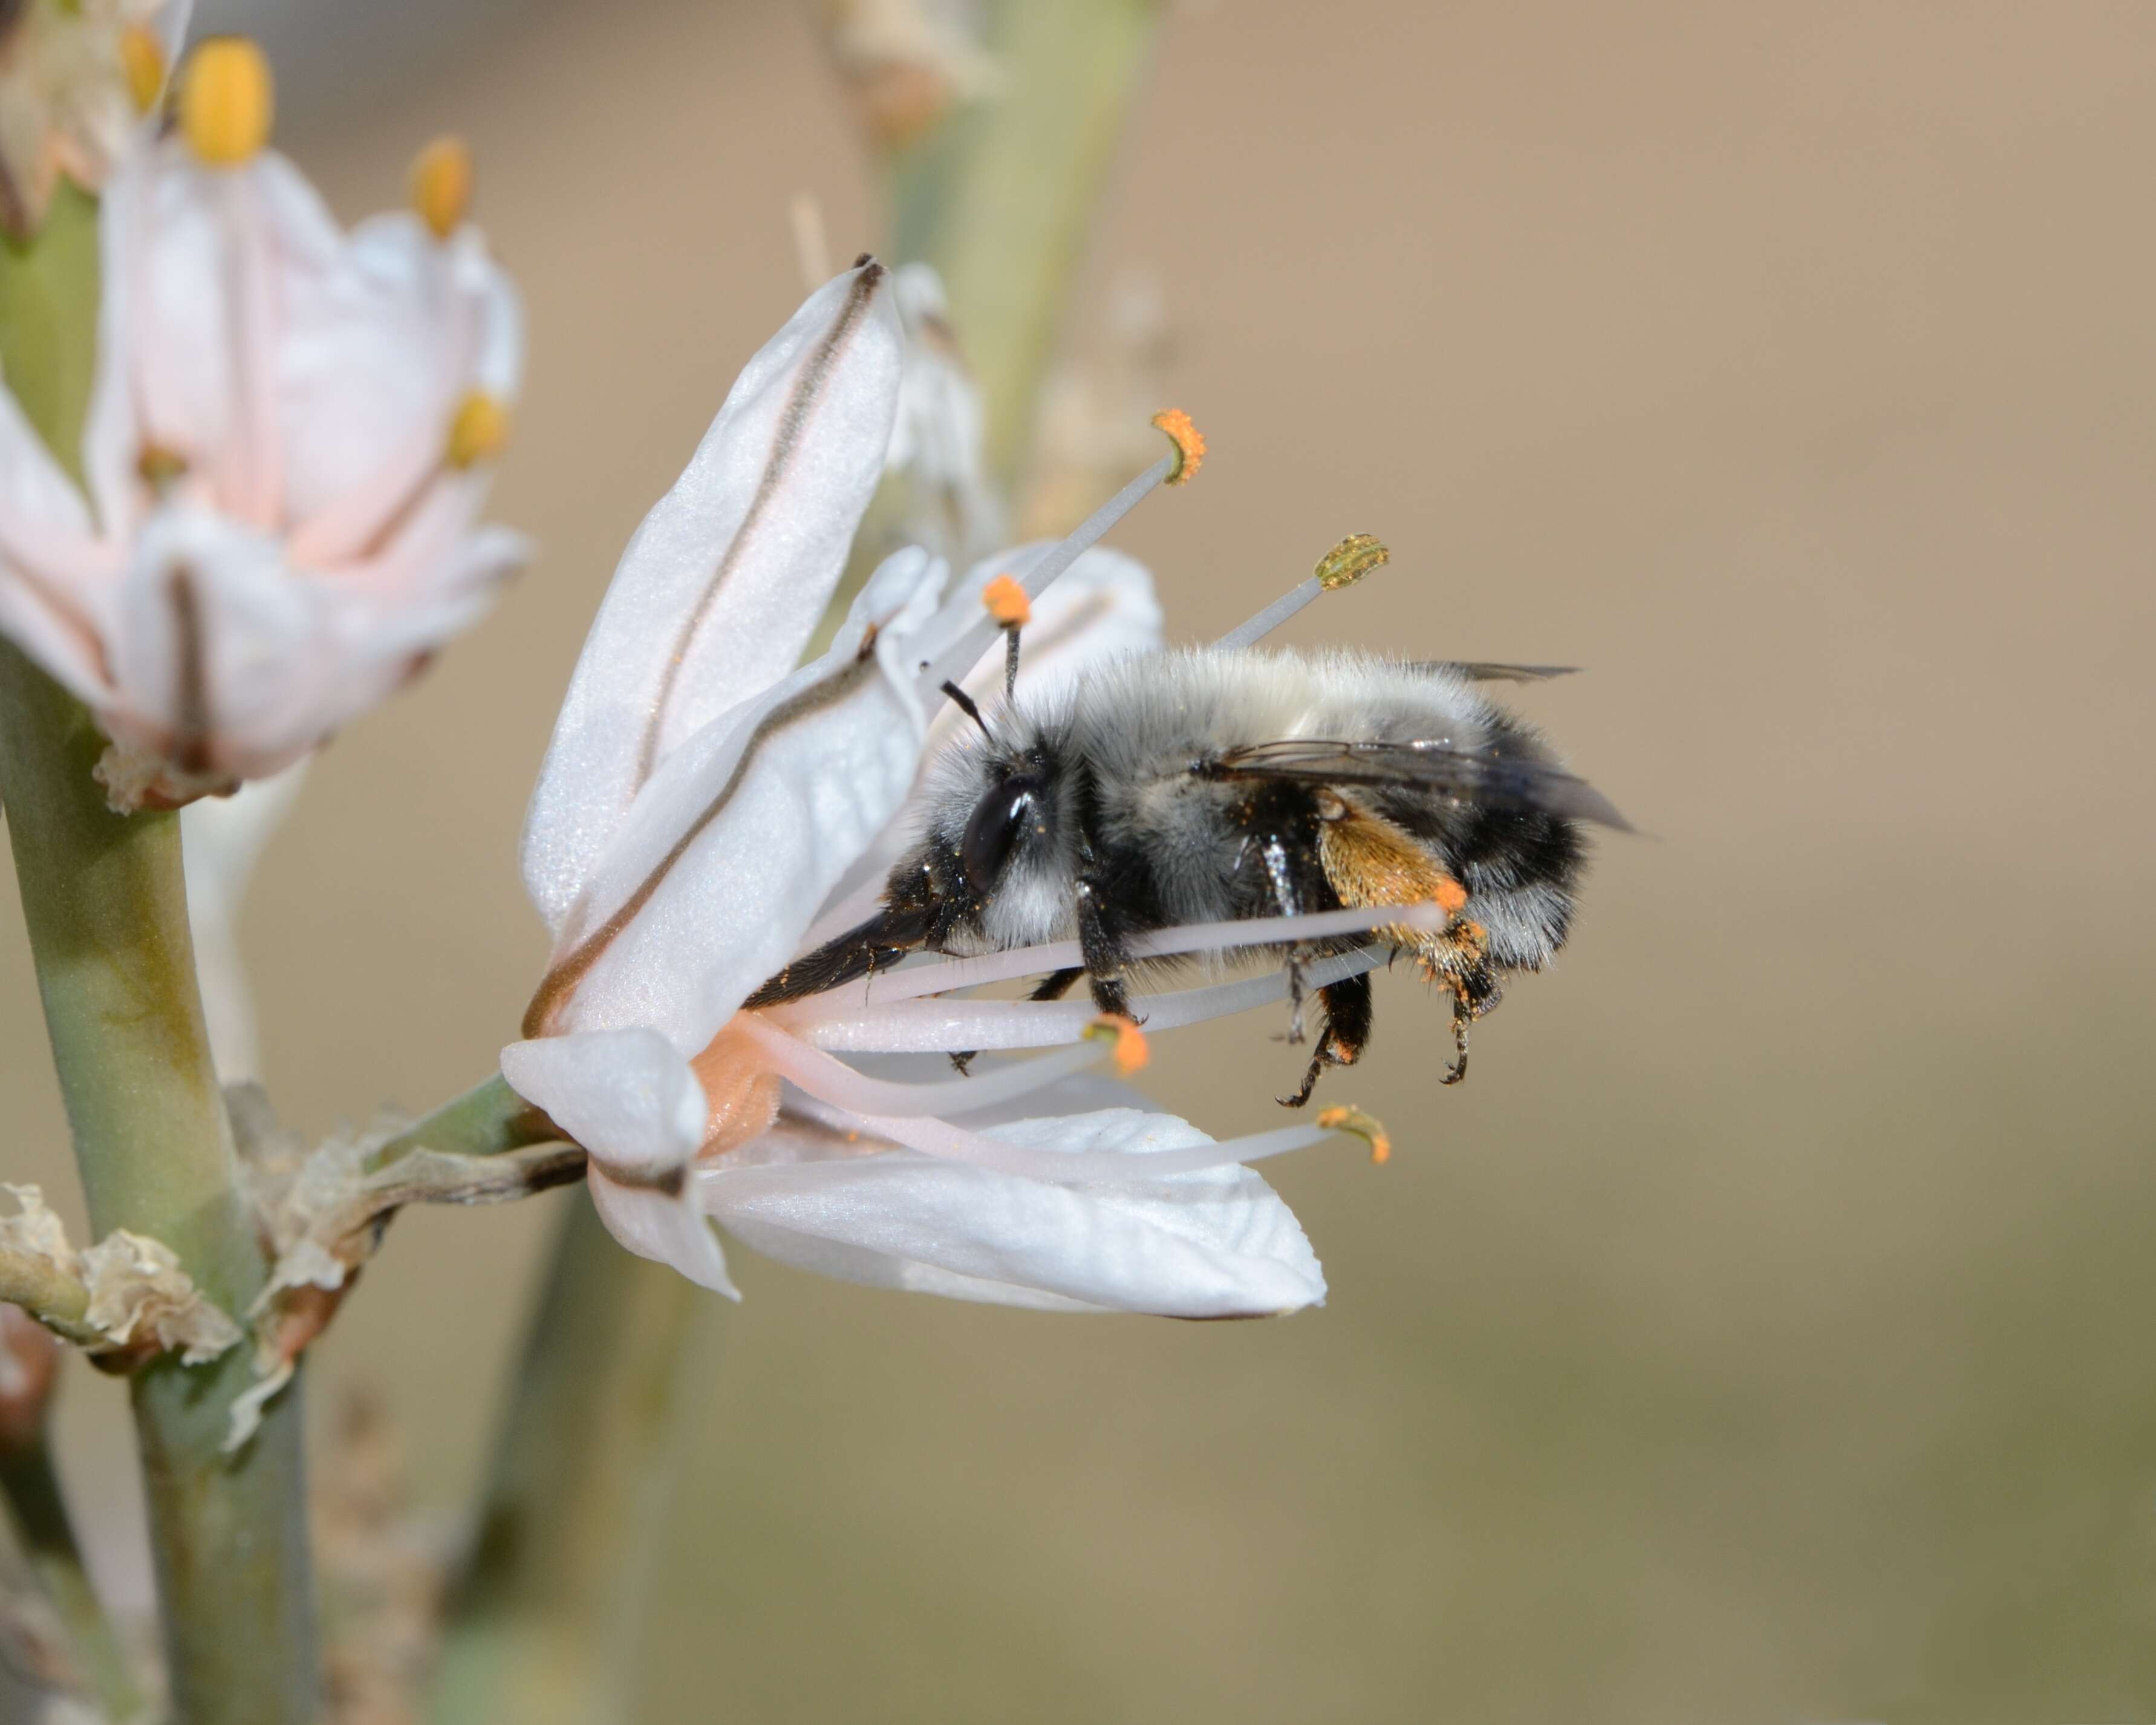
[285, 454]
[223, 839]
[76, 79]
[706, 811]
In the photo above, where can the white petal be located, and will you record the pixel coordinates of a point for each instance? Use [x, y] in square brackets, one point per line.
[724, 582]
[625, 1095]
[708, 887]
[223, 839]
[55, 580]
[1218, 1244]
[667, 1229]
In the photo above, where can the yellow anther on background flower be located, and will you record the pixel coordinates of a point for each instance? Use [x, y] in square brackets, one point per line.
[1366, 1127]
[1007, 602]
[143, 62]
[1188, 440]
[1131, 1052]
[442, 184]
[160, 467]
[226, 101]
[1349, 561]
[479, 430]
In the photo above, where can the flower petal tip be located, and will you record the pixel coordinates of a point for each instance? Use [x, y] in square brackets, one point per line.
[1189, 443]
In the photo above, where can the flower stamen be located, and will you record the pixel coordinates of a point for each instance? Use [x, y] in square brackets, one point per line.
[1131, 1052]
[1189, 445]
[479, 430]
[1347, 563]
[1366, 1127]
[1006, 601]
[142, 64]
[227, 102]
[441, 185]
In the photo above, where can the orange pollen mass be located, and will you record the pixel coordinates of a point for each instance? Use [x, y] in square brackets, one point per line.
[1131, 1052]
[1451, 896]
[1366, 1127]
[1188, 440]
[1007, 602]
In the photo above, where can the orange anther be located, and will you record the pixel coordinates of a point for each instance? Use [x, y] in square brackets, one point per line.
[1188, 440]
[1007, 602]
[1366, 1127]
[441, 185]
[1131, 1051]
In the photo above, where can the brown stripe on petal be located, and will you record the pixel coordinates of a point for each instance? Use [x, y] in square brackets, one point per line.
[191, 713]
[815, 375]
[560, 983]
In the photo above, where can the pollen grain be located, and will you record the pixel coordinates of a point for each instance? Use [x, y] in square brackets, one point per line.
[1188, 440]
[1007, 602]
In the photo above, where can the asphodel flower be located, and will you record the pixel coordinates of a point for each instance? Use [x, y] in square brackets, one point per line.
[78, 78]
[707, 811]
[289, 442]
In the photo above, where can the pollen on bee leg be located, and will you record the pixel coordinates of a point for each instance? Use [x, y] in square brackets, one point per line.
[478, 431]
[1006, 601]
[1449, 895]
[227, 102]
[1367, 1126]
[142, 64]
[1189, 445]
[441, 184]
[1131, 1052]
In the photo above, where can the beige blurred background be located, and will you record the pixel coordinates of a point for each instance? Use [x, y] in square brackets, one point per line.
[1763, 1332]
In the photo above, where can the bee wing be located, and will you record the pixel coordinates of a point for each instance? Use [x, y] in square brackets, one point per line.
[1489, 670]
[1462, 775]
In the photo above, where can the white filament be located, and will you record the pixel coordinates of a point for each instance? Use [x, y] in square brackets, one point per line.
[1257, 628]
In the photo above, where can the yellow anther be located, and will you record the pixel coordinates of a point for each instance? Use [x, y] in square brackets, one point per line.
[442, 184]
[479, 430]
[160, 467]
[1188, 440]
[1007, 602]
[1349, 561]
[1131, 1052]
[226, 101]
[1366, 1127]
[142, 62]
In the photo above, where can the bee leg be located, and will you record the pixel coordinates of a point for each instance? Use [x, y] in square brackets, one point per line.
[1104, 944]
[1349, 1014]
[1296, 992]
[1463, 1015]
[1056, 987]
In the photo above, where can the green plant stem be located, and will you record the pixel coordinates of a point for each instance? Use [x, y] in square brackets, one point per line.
[546, 1625]
[998, 196]
[105, 907]
[487, 1120]
[39, 1514]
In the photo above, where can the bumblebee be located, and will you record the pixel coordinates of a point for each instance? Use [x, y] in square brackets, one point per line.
[1208, 785]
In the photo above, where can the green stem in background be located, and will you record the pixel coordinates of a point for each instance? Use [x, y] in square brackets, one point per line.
[106, 907]
[998, 196]
[40, 1518]
[546, 1625]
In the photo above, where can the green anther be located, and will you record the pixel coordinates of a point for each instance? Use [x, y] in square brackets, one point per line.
[1349, 561]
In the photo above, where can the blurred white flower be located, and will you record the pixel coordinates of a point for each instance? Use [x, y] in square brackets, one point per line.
[705, 810]
[77, 79]
[286, 453]
[223, 839]
[936, 441]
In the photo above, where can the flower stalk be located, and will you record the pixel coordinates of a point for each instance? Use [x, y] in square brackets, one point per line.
[999, 195]
[105, 904]
[546, 1625]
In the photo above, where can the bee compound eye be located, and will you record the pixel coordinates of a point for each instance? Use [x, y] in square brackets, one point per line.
[997, 820]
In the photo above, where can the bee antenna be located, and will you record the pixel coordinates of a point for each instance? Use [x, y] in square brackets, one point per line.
[964, 702]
